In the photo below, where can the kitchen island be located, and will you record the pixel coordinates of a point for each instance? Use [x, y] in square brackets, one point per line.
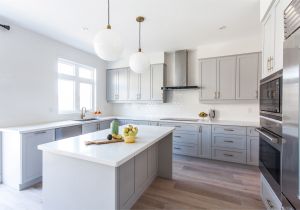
[110, 176]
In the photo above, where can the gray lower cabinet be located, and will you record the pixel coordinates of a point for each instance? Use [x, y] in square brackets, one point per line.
[105, 124]
[137, 122]
[90, 128]
[22, 161]
[252, 146]
[230, 78]
[268, 196]
[136, 174]
[204, 145]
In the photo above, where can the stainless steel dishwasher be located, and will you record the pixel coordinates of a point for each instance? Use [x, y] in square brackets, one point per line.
[67, 132]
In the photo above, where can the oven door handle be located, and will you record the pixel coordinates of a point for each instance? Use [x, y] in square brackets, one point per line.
[272, 139]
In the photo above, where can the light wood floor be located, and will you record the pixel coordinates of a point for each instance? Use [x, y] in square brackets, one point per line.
[196, 184]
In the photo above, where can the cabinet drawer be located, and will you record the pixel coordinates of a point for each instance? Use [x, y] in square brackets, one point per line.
[237, 156]
[268, 196]
[229, 141]
[182, 127]
[138, 122]
[252, 132]
[184, 138]
[47, 135]
[234, 130]
[185, 150]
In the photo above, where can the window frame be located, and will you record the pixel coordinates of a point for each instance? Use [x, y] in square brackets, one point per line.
[77, 80]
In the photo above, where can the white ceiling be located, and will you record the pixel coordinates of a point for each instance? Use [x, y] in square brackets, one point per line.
[169, 24]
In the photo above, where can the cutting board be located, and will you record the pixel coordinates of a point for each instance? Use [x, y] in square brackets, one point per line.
[103, 141]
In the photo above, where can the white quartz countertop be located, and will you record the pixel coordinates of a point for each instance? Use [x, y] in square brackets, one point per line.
[108, 154]
[60, 124]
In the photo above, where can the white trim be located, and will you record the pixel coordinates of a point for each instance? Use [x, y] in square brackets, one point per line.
[77, 81]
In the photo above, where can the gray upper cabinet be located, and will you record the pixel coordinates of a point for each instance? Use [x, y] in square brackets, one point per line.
[145, 85]
[133, 86]
[248, 68]
[226, 78]
[157, 81]
[123, 85]
[112, 85]
[208, 80]
[230, 78]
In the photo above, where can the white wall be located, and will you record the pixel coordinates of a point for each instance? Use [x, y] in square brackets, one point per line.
[28, 78]
[185, 103]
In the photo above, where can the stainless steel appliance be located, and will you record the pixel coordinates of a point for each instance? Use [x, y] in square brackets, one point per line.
[270, 131]
[290, 146]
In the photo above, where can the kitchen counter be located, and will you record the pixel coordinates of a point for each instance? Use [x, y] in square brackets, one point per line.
[111, 176]
[53, 125]
[108, 154]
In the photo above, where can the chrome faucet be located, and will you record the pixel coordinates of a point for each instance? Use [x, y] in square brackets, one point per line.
[83, 113]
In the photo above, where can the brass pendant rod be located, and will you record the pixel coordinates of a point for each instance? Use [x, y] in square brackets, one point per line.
[108, 15]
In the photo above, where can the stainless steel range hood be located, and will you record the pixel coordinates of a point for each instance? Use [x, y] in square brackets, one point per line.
[180, 71]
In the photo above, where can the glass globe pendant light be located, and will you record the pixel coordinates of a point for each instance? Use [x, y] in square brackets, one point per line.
[139, 62]
[107, 44]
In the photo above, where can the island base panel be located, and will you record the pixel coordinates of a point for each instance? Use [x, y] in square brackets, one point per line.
[165, 157]
[70, 183]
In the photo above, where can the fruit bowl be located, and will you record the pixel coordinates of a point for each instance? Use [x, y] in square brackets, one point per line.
[129, 139]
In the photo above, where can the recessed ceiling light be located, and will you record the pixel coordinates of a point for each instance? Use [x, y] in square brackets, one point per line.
[84, 28]
[222, 27]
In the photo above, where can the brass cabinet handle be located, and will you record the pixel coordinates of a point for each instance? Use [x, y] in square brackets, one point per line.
[228, 141]
[271, 63]
[39, 132]
[257, 94]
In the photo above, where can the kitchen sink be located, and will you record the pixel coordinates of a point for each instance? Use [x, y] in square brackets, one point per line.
[87, 119]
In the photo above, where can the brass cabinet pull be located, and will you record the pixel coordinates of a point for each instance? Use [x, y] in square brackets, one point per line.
[39, 132]
[271, 63]
[227, 129]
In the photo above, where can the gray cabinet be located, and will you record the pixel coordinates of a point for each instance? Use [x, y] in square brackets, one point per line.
[90, 127]
[252, 146]
[105, 124]
[112, 85]
[145, 86]
[248, 68]
[208, 79]
[123, 85]
[204, 145]
[126, 182]
[157, 81]
[152, 160]
[31, 156]
[140, 170]
[0, 157]
[230, 78]
[133, 86]
[226, 78]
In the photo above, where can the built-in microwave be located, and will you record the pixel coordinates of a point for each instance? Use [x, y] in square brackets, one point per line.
[271, 96]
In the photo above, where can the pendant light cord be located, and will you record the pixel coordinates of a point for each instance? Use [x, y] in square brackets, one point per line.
[108, 15]
[140, 49]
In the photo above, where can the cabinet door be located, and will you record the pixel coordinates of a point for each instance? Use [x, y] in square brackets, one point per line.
[268, 43]
[152, 160]
[252, 150]
[145, 85]
[89, 128]
[140, 170]
[208, 79]
[111, 85]
[226, 78]
[134, 86]
[204, 145]
[157, 81]
[123, 84]
[126, 182]
[105, 124]
[247, 76]
[31, 156]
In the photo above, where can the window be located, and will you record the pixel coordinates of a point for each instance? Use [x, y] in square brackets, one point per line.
[76, 87]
